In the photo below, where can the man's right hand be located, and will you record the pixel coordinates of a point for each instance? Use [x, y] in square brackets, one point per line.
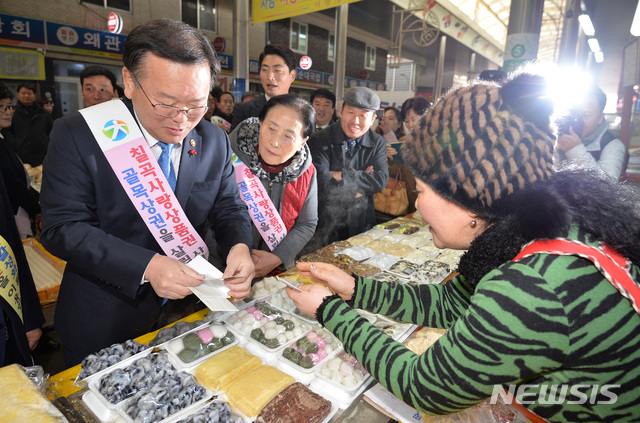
[170, 278]
[567, 141]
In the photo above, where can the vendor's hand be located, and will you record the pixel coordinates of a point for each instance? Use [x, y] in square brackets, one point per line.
[239, 263]
[33, 336]
[567, 141]
[391, 151]
[171, 278]
[309, 299]
[335, 279]
[369, 169]
[265, 262]
[337, 175]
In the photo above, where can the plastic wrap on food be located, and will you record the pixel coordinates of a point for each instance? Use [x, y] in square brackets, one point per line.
[451, 257]
[422, 339]
[311, 349]
[22, 401]
[276, 333]
[376, 233]
[264, 287]
[418, 239]
[358, 252]
[430, 272]
[421, 255]
[390, 278]
[217, 372]
[344, 371]
[296, 403]
[360, 239]
[106, 357]
[252, 317]
[166, 398]
[252, 391]
[393, 237]
[214, 412]
[382, 260]
[196, 346]
[173, 331]
[140, 375]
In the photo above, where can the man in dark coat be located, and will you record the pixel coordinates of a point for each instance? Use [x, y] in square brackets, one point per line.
[31, 125]
[351, 163]
[117, 275]
[277, 73]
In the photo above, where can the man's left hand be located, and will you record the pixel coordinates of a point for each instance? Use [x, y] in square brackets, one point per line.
[239, 263]
[265, 262]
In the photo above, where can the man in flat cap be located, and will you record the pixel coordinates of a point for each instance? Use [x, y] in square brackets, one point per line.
[351, 166]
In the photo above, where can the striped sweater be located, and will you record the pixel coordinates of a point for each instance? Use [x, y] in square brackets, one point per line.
[543, 321]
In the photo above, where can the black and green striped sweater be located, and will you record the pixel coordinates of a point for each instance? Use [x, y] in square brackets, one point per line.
[546, 320]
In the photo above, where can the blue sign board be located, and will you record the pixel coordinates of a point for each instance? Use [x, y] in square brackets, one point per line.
[21, 32]
[84, 40]
[226, 61]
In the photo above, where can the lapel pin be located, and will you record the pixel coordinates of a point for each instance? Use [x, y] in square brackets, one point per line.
[192, 152]
[192, 143]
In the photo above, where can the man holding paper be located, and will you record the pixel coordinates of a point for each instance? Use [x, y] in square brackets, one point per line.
[127, 190]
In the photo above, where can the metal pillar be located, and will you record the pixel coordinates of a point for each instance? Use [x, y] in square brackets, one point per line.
[340, 61]
[523, 33]
[437, 88]
[240, 47]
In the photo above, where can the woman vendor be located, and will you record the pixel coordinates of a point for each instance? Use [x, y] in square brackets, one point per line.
[548, 319]
[274, 147]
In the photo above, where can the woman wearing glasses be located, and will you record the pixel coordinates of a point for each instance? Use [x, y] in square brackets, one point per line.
[274, 147]
[24, 201]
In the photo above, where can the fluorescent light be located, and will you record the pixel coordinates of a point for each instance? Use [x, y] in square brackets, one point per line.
[599, 56]
[593, 44]
[635, 25]
[586, 25]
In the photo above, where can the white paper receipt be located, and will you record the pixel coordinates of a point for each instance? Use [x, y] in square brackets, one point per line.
[213, 292]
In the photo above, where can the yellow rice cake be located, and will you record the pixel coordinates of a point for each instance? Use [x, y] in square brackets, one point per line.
[22, 401]
[252, 391]
[219, 371]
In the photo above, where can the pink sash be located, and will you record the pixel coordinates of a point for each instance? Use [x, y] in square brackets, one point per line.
[118, 135]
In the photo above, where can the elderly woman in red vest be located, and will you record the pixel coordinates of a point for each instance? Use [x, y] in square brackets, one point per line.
[274, 147]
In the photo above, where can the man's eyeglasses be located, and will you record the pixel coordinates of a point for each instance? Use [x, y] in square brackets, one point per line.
[10, 107]
[171, 111]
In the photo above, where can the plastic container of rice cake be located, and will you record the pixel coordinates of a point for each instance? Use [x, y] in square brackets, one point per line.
[182, 395]
[194, 347]
[266, 341]
[301, 357]
[341, 379]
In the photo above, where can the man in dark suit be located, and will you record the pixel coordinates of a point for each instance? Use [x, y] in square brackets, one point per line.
[277, 73]
[351, 163]
[117, 275]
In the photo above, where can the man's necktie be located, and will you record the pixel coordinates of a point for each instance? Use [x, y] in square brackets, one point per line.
[164, 161]
[351, 147]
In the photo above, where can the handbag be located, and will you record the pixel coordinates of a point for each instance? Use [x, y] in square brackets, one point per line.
[393, 198]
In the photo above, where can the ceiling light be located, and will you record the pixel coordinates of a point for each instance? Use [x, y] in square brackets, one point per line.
[635, 25]
[586, 25]
[599, 56]
[593, 44]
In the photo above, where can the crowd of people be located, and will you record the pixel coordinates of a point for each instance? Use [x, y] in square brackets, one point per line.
[482, 165]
